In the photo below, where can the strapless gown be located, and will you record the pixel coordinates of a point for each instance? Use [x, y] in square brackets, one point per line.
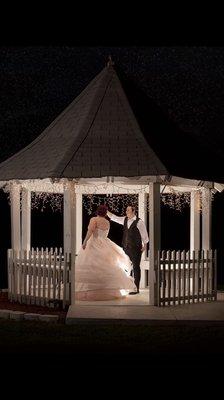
[102, 270]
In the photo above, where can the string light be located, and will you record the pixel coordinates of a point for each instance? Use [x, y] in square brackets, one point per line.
[41, 201]
[176, 200]
[116, 203]
[49, 193]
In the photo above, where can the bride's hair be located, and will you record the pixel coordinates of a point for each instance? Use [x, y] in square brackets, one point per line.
[102, 210]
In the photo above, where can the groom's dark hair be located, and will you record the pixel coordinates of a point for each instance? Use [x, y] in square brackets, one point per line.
[132, 207]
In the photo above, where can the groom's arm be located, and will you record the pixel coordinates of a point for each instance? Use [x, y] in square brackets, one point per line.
[115, 218]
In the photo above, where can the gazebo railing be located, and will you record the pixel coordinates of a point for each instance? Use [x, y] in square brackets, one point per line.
[43, 277]
[185, 277]
[40, 277]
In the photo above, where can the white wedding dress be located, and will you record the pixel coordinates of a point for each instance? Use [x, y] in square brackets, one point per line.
[102, 270]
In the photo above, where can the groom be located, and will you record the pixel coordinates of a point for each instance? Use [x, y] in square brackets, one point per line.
[135, 238]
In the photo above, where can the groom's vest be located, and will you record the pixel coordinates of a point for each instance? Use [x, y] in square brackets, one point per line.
[131, 236]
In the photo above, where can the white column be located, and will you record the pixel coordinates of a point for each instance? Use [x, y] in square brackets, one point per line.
[15, 217]
[195, 221]
[26, 219]
[142, 211]
[73, 239]
[206, 219]
[142, 202]
[67, 222]
[78, 222]
[154, 240]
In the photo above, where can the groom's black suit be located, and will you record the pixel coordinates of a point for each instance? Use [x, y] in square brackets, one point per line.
[132, 245]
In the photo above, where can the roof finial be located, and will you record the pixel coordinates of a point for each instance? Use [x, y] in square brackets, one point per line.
[110, 62]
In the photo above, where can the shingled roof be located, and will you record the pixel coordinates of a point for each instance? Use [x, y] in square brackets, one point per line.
[110, 129]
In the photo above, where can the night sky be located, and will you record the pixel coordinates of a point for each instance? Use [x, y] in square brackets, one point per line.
[38, 82]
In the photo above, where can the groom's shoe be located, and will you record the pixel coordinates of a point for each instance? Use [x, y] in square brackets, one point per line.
[137, 291]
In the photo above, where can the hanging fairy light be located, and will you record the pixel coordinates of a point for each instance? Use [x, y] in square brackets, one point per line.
[116, 203]
[176, 200]
[41, 201]
[49, 193]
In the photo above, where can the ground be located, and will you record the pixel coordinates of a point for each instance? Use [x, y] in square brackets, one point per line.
[126, 338]
[5, 304]
[115, 350]
[116, 361]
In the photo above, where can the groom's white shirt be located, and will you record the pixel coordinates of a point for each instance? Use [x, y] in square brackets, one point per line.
[140, 225]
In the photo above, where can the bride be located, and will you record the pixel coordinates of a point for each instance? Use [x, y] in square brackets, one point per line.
[102, 268]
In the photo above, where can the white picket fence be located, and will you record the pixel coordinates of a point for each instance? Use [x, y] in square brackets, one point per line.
[43, 277]
[186, 278]
[40, 277]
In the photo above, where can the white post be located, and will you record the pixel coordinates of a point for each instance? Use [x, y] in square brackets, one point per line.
[154, 240]
[142, 211]
[142, 201]
[195, 221]
[78, 222]
[206, 219]
[26, 219]
[67, 221]
[73, 239]
[15, 217]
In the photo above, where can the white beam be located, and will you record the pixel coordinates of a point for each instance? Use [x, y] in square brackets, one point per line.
[195, 221]
[110, 188]
[26, 219]
[15, 217]
[206, 219]
[154, 241]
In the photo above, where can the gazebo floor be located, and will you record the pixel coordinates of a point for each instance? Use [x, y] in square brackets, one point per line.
[141, 310]
[139, 299]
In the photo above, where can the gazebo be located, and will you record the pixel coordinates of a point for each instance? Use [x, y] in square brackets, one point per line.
[109, 140]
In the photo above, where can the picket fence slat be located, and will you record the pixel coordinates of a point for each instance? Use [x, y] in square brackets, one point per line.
[179, 275]
[187, 278]
[39, 276]
[59, 276]
[215, 276]
[193, 275]
[174, 275]
[163, 276]
[206, 273]
[48, 275]
[44, 277]
[202, 275]
[54, 255]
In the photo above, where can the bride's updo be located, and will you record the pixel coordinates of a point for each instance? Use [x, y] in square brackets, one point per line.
[102, 211]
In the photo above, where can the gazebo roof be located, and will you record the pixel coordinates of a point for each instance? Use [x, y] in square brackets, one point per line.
[111, 129]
